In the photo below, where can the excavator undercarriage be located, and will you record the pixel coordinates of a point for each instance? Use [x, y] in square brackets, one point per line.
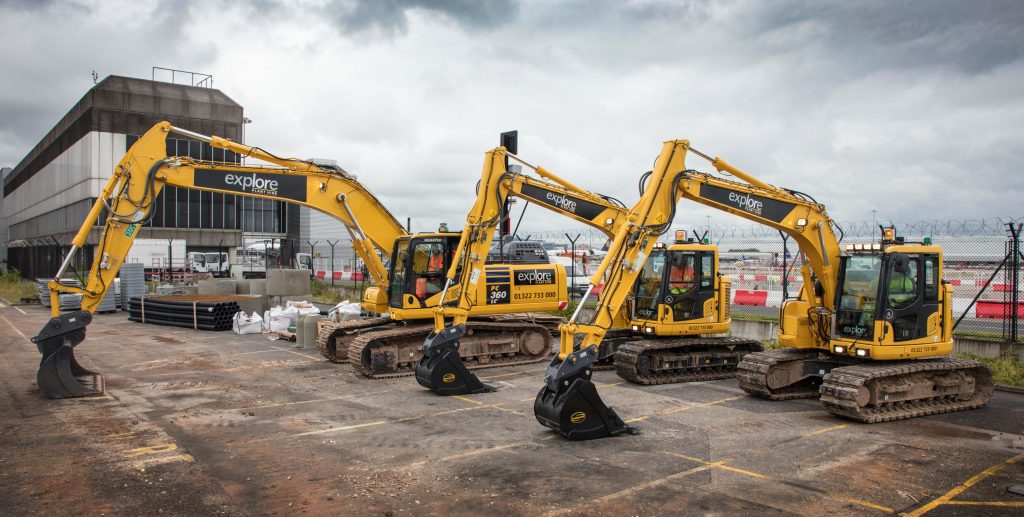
[683, 359]
[381, 348]
[864, 390]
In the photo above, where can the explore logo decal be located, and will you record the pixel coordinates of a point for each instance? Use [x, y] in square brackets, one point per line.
[266, 184]
[563, 202]
[534, 277]
[764, 207]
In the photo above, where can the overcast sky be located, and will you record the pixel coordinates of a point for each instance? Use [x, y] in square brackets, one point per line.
[915, 109]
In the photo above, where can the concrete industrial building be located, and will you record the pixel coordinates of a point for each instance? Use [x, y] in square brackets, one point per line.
[48, 194]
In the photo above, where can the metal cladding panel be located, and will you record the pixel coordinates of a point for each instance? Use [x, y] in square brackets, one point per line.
[131, 106]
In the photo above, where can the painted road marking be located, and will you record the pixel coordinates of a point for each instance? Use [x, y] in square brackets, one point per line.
[948, 496]
[986, 503]
[656, 482]
[396, 421]
[19, 310]
[825, 430]
[9, 324]
[467, 399]
[318, 359]
[827, 493]
[511, 374]
[470, 453]
[685, 408]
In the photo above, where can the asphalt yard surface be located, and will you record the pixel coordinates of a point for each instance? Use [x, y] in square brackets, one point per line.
[214, 423]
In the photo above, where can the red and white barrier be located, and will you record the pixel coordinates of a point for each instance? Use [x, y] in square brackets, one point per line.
[751, 298]
[340, 275]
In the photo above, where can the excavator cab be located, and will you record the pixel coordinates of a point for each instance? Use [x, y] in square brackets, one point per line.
[888, 295]
[678, 288]
[418, 268]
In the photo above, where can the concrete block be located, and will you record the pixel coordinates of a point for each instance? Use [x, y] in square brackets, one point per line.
[276, 300]
[257, 286]
[306, 331]
[285, 282]
[242, 286]
[217, 286]
[250, 303]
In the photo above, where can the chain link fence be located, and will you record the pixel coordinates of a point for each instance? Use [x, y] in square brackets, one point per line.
[982, 258]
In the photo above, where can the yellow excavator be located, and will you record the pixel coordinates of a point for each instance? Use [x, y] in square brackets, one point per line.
[406, 291]
[869, 331]
[655, 340]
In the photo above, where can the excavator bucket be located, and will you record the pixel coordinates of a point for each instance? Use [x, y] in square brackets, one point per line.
[60, 376]
[569, 403]
[441, 369]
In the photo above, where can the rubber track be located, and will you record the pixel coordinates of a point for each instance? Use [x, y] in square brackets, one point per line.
[628, 354]
[328, 330]
[752, 374]
[840, 387]
[356, 347]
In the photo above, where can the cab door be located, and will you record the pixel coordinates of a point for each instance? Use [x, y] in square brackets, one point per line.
[689, 283]
[911, 291]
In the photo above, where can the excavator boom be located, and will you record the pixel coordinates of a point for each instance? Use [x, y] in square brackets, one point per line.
[912, 326]
[127, 200]
[441, 369]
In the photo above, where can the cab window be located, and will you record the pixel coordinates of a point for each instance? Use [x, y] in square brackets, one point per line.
[903, 284]
[931, 278]
[682, 275]
[706, 271]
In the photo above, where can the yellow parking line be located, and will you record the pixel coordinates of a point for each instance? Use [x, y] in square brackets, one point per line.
[656, 482]
[333, 429]
[23, 336]
[825, 430]
[511, 374]
[470, 453]
[308, 356]
[827, 493]
[948, 496]
[987, 503]
[467, 399]
[685, 408]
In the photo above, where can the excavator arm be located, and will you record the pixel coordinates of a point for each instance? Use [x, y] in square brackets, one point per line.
[569, 402]
[127, 201]
[441, 360]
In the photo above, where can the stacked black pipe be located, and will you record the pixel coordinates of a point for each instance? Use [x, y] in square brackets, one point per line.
[205, 315]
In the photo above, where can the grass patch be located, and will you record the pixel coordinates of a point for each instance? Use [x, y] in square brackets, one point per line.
[13, 288]
[974, 334]
[323, 292]
[1008, 372]
[749, 316]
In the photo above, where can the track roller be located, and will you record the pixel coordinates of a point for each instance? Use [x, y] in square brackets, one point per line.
[60, 376]
[569, 403]
[441, 369]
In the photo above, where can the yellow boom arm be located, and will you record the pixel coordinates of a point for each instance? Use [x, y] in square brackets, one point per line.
[795, 214]
[496, 185]
[132, 189]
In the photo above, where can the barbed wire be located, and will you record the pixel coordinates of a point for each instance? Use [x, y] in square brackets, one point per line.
[989, 227]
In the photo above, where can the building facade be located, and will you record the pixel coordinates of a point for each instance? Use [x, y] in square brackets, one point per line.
[49, 193]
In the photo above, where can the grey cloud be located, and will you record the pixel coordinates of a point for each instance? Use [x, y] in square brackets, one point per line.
[390, 16]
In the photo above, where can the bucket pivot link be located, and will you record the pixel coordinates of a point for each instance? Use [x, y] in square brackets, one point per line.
[60, 376]
[441, 369]
[569, 403]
